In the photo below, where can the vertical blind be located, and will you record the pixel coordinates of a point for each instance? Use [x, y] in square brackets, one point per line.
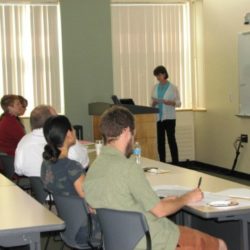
[30, 53]
[145, 36]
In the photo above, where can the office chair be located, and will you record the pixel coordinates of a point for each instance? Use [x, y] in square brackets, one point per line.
[9, 171]
[78, 233]
[39, 192]
[8, 165]
[123, 229]
[79, 131]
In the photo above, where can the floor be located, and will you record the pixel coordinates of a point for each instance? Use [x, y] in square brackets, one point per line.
[217, 171]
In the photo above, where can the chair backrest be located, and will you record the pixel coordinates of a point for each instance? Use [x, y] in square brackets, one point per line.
[8, 165]
[73, 210]
[37, 188]
[123, 229]
[79, 131]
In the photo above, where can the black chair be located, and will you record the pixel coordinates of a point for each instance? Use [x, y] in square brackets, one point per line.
[39, 192]
[78, 233]
[79, 131]
[8, 165]
[123, 229]
[9, 171]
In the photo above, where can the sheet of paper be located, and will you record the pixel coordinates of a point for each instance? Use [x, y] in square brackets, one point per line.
[209, 198]
[236, 192]
[156, 170]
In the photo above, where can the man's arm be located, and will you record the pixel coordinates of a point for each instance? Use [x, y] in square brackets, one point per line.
[171, 205]
[18, 160]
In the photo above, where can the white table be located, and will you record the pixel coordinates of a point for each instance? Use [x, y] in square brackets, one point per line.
[4, 181]
[22, 219]
[189, 178]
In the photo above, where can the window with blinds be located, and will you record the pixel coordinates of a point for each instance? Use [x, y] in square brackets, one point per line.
[145, 36]
[30, 52]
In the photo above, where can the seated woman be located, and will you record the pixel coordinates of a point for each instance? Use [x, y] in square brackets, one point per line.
[24, 103]
[61, 175]
[11, 128]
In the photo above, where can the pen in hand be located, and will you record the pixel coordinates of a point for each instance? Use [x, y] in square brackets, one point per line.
[199, 182]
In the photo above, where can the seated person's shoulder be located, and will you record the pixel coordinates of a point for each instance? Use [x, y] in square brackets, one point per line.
[74, 166]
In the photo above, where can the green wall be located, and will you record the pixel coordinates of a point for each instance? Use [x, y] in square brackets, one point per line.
[87, 57]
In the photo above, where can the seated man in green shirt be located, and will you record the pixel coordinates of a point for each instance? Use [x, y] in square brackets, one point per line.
[116, 181]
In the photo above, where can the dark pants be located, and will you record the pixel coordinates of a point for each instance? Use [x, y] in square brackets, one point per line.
[169, 127]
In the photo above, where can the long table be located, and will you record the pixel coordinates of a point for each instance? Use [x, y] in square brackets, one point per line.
[22, 218]
[4, 181]
[189, 178]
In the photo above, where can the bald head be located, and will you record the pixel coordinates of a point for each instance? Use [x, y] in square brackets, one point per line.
[40, 114]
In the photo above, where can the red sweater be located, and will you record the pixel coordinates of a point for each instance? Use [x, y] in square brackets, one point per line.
[11, 132]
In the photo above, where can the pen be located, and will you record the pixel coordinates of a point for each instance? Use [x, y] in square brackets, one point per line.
[199, 183]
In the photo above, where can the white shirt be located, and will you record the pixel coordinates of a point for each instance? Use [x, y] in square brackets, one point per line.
[172, 94]
[28, 156]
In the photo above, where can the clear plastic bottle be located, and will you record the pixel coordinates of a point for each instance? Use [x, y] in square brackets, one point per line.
[137, 152]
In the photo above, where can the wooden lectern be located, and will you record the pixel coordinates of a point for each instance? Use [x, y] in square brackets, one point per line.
[145, 124]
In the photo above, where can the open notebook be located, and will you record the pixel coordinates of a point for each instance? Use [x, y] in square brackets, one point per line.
[243, 193]
[224, 199]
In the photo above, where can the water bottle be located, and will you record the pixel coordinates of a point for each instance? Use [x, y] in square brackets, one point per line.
[137, 153]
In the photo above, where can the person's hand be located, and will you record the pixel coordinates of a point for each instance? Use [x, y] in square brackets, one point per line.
[168, 102]
[154, 101]
[91, 210]
[193, 196]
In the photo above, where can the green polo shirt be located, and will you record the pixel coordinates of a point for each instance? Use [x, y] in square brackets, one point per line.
[113, 181]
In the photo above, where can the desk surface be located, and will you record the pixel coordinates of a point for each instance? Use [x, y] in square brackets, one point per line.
[20, 212]
[189, 178]
[186, 177]
[5, 181]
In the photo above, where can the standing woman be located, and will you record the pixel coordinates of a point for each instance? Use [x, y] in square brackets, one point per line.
[60, 174]
[165, 97]
[11, 128]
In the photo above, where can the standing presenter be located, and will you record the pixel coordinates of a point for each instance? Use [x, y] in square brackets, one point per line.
[165, 97]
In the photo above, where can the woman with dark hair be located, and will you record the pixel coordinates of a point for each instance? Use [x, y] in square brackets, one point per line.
[11, 128]
[165, 97]
[59, 174]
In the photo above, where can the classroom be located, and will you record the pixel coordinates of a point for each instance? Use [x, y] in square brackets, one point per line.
[213, 125]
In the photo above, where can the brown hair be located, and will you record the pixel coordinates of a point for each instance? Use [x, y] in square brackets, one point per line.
[23, 101]
[8, 100]
[114, 120]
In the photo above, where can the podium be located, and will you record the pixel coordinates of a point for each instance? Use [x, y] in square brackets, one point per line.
[145, 125]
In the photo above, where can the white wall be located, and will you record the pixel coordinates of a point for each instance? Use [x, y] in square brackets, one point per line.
[217, 129]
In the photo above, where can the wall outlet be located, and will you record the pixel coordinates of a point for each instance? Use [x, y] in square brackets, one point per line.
[244, 138]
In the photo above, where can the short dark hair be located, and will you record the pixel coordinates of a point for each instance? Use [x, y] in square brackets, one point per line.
[39, 115]
[161, 70]
[114, 120]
